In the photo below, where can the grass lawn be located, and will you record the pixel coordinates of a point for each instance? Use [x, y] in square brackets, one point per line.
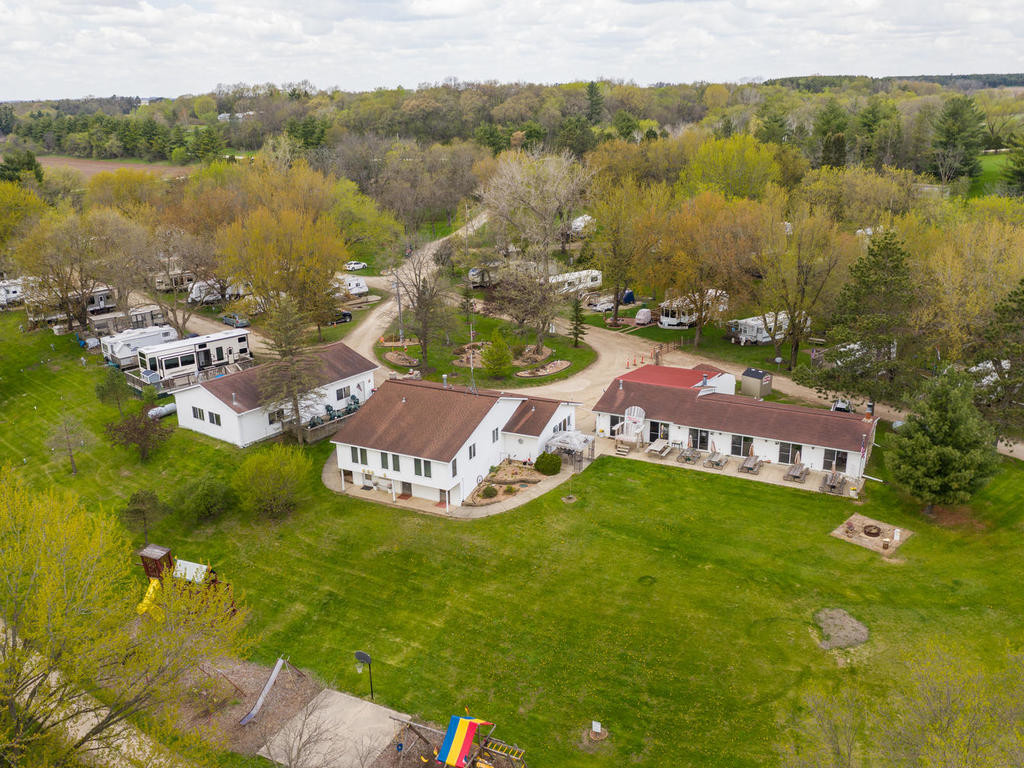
[713, 344]
[674, 606]
[991, 174]
[440, 356]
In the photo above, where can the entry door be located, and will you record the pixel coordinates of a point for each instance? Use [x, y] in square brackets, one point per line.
[406, 487]
[204, 359]
[659, 430]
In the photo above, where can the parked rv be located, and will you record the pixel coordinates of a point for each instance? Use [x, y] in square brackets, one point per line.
[752, 330]
[108, 323]
[122, 348]
[352, 285]
[209, 292]
[11, 292]
[188, 356]
[681, 313]
[570, 282]
[40, 307]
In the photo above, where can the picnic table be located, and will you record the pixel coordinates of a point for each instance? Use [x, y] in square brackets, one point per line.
[833, 482]
[716, 460]
[751, 464]
[797, 473]
[688, 455]
[660, 446]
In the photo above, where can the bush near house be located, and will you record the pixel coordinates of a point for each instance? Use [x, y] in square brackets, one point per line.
[489, 492]
[548, 464]
[270, 481]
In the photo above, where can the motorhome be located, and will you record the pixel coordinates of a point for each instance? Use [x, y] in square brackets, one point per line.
[681, 313]
[570, 282]
[121, 349]
[193, 355]
[145, 316]
[752, 330]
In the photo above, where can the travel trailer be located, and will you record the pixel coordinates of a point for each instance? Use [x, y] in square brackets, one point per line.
[40, 308]
[208, 292]
[122, 348]
[752, 330]
[570, 282]
[680, 312]
[193, 355]
[109, 323]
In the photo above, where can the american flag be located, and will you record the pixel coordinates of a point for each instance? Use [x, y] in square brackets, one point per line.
[863, 446]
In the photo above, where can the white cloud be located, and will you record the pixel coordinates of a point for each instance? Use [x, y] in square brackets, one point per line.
[55, 48]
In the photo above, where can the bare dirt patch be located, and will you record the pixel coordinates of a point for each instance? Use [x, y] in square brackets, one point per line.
[957, 517]
[839, 629]
[225, 692]
[89, 168]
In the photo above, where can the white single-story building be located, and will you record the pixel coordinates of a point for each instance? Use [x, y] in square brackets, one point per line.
[228, 407]
[696, 407]
[438, 442]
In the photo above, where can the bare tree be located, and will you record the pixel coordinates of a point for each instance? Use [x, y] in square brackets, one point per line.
[307, 740]
[426, 299]
[68, 436]
[173, 260]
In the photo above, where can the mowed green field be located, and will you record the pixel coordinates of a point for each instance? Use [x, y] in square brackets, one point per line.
[674, 606]
[991, 177]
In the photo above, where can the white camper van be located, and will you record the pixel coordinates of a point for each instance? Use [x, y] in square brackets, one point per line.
[680, 312]
[122, 348]
[752, 330]
[353, 285]
[192, 355]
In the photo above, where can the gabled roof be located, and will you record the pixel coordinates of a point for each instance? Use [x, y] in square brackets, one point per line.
[241, 391]
[738, 415]
[431, 421]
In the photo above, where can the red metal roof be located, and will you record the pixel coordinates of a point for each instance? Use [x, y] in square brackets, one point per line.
[668, 376]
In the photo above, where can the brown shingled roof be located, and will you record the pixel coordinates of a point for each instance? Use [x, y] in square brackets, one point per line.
[531, 417]
[417, 418]
[739, 415]
[241, 391]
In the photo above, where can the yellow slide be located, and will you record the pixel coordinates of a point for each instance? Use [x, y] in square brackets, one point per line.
[148, 603]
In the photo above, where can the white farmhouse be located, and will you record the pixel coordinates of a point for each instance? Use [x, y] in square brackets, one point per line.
[438, 442]
[228, 407]
[696, 408]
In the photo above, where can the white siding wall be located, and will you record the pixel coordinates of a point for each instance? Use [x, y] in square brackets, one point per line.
[230, 429]
[253, 426]
[562, 412]
[811, 455]
[519, 447]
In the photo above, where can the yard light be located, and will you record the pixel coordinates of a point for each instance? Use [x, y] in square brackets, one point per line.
[364, 659]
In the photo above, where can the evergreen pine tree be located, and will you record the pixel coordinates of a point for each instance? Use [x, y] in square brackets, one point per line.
[577, 325]
[595, 103]
[497, 357]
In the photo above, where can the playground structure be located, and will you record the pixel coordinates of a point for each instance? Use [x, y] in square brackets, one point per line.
[157, 561]
[460, 745]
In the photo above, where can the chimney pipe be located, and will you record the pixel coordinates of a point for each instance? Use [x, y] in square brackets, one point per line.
[704, 380]
[444, 381]
[403, 399]
[234, 400]
[620, 384]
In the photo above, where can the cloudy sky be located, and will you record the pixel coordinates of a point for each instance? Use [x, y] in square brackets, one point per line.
[70, 48]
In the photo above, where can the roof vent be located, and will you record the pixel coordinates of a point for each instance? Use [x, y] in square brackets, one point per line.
[704, 380]
[444, 381]
[234, 400]
[620, 384]
[403, 398]
[533, 409]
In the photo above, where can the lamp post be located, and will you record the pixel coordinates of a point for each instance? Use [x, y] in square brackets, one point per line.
[361, 659]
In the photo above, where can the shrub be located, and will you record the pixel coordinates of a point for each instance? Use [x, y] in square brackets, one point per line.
[517, 349]
[270, 481]
[548, 464]
[489, 492]
[510, 489]
[207, 498]
[497, 357]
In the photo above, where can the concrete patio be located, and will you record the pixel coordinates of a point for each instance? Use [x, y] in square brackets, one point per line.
[773, 474]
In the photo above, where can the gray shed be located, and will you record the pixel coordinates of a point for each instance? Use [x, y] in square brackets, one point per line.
[756, 383]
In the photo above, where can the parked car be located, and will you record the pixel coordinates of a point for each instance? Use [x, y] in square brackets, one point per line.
[352, 266]
[341, 316]
[235, 320]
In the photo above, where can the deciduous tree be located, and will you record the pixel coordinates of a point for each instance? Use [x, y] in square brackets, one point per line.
[68, 436]
[289, 380]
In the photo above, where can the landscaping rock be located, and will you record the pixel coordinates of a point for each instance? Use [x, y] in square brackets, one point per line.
[840, 629]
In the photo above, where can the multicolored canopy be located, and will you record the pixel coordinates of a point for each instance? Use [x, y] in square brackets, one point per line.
[458, 739]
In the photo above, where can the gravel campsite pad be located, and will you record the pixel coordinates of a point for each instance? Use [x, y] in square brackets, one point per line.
[840, 629]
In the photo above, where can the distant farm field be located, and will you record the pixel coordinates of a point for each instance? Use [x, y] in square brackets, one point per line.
[991, 175]
[89, 168]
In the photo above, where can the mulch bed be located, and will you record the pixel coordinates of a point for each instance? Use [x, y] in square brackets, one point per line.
[853, 531]
[545, 370]
[402, 359]
[223, 707]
